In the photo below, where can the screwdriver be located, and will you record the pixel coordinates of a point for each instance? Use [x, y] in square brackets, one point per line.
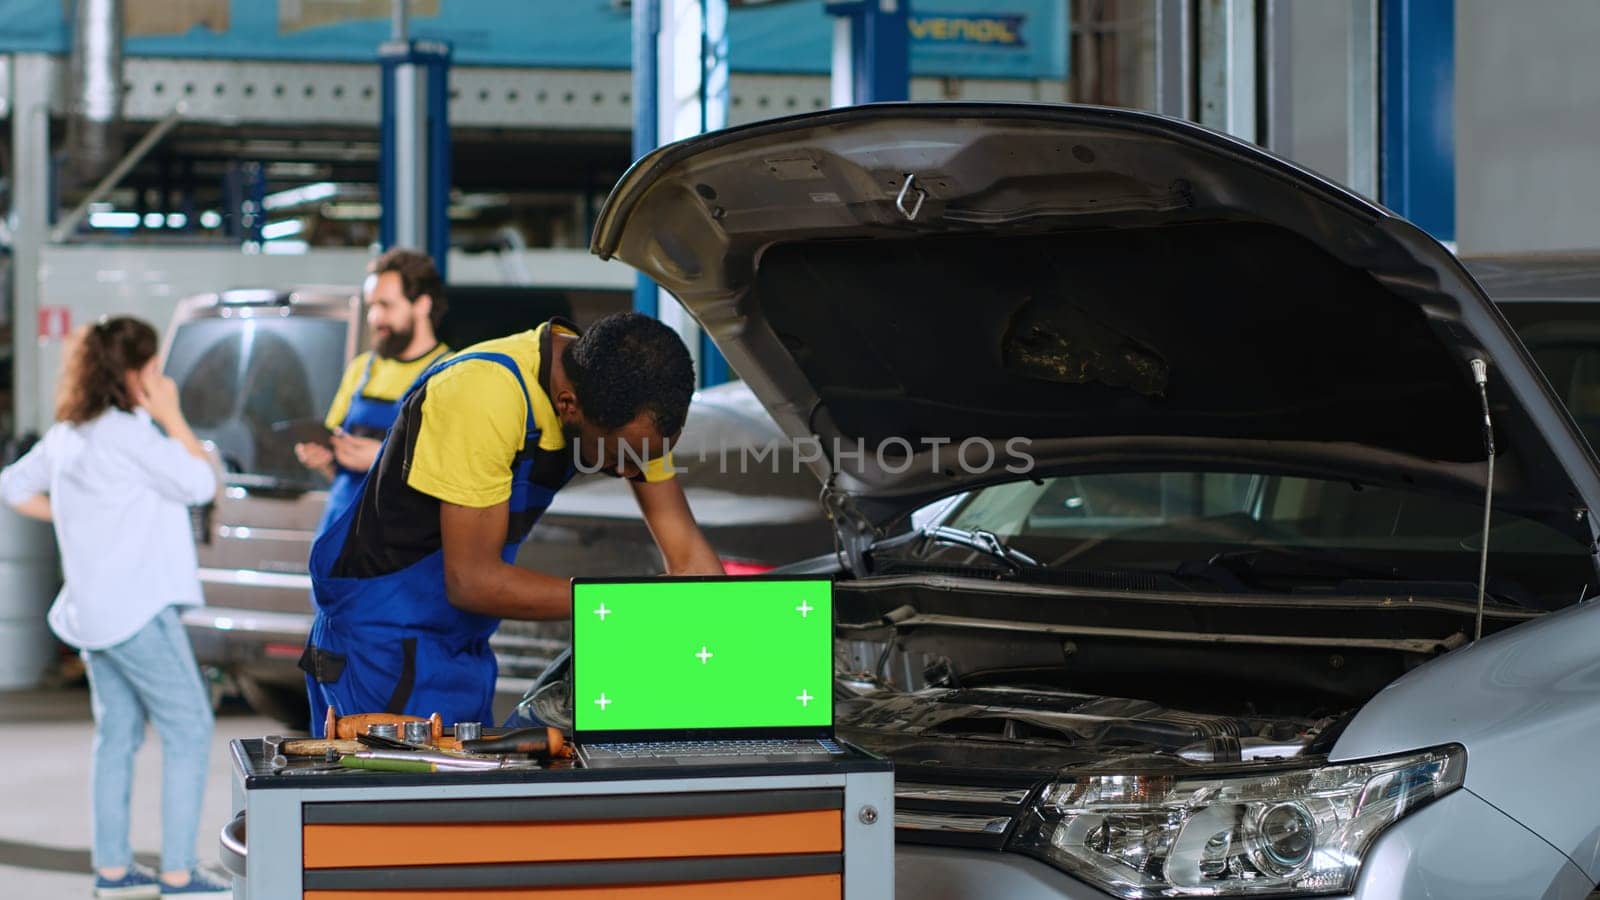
[532, 741]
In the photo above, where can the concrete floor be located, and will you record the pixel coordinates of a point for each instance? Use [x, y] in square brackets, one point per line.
[44, 791]
[44, 817]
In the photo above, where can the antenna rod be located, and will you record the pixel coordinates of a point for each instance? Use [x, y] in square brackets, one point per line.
[1480, 374]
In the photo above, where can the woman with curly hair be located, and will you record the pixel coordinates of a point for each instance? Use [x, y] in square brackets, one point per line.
[117, 491]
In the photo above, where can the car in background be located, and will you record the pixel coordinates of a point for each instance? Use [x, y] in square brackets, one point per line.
[1201, 613]
[251, 364]
[248, 363]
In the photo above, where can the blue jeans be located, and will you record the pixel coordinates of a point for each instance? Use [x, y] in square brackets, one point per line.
[150, 676]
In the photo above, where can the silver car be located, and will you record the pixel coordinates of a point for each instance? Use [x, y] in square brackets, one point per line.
[1199, 611]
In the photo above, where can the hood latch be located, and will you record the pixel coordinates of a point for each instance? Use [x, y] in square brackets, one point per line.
[915, 209]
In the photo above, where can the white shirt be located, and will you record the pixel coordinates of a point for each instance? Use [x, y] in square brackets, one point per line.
[119, 492]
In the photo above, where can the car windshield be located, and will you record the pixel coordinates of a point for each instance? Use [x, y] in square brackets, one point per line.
[241, 381]
[1248, 531]
[1564, 339]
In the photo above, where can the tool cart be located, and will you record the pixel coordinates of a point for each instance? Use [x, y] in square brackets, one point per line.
[783, 831]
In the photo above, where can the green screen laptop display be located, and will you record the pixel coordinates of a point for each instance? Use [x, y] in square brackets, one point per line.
[691, 656]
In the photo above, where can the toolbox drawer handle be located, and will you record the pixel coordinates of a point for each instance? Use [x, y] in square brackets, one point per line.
[231, 849]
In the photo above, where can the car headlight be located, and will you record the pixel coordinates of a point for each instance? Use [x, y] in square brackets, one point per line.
[1285, 832]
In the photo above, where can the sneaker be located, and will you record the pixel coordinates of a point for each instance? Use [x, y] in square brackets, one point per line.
[200, 885]
[140, 881]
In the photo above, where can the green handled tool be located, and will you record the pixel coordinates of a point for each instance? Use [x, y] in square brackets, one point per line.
[356, 761]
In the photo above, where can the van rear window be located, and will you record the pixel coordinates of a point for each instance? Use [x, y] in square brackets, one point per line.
[238, 377]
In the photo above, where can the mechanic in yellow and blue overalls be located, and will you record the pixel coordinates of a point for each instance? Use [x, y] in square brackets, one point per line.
[412, 578]
[405, 302]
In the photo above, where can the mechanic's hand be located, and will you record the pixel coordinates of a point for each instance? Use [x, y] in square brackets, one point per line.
[315, 457]
[158, 394]
[355, 453]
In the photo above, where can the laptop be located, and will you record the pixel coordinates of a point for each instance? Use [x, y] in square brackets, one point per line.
[702, 670]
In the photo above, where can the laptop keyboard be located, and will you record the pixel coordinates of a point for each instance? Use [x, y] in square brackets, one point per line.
[676, 749]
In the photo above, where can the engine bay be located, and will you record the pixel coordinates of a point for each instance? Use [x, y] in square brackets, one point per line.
[935, 664]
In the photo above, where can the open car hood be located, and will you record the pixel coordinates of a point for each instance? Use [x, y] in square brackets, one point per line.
[1119, 290]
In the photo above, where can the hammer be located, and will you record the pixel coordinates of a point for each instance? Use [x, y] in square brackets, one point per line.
[316, 747]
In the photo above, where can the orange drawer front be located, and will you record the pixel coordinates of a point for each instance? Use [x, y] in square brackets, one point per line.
[804, 887]
[421, 844]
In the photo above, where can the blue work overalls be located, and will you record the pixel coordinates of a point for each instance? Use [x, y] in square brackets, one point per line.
[366, 417]
[396, 642]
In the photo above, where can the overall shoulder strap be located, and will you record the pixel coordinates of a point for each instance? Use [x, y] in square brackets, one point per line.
[501, 358]
[366, 375]
[439, 352]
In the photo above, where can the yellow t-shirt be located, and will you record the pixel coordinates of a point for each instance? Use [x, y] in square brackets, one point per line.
[474, 422]
[390, 380]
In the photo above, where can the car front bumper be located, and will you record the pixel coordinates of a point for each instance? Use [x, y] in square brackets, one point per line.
[265, 643]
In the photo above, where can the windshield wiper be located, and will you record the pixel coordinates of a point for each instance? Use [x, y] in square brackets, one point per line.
[986, 542]
[1308, 561]
[1336, 571]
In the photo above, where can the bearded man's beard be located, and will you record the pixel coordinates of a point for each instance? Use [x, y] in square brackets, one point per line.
[394, 343]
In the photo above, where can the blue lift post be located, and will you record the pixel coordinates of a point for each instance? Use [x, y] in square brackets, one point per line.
[872, 38]
[244, 194]
[1418, 167]
[646, 33]
[414, 154]
[254, 217]
[648, 113]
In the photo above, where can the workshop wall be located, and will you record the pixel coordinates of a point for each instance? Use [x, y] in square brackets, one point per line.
[998, 39]
[1527, 125]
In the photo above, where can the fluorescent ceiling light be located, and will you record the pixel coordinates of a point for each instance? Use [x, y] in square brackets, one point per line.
[114, 220]
[287, 228]
[310, 193]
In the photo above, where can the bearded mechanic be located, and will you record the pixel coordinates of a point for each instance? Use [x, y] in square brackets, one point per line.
[412, 578]
[405, 303]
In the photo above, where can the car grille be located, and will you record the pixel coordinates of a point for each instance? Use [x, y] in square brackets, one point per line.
[935, 811]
